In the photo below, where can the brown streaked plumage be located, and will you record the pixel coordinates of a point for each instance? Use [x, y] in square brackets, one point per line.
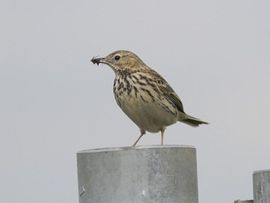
[144, 95]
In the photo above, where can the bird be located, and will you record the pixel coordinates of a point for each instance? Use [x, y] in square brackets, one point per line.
[144, 95]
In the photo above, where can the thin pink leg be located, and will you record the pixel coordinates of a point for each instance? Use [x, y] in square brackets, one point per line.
[162, 135]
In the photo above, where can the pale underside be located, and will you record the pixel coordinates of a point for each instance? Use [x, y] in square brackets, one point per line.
[151, 114]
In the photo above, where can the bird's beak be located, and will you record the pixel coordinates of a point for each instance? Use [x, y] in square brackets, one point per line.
[98, 60]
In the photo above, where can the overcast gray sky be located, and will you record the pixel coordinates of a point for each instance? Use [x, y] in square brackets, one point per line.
[54, 102]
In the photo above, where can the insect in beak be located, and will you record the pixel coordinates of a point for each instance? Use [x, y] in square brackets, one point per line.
[96, 60]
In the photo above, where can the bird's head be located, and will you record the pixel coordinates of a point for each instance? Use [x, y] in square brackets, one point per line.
[121, 61]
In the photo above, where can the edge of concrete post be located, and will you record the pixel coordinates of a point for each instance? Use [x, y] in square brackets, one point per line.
[154, 173]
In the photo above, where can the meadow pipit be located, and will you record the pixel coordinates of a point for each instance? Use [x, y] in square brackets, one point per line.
[144, 95]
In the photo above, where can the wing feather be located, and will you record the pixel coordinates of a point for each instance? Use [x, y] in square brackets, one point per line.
[167, 90]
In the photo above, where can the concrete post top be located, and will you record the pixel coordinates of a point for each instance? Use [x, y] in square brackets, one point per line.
[261, 171]
[117, 149]
[146, 174]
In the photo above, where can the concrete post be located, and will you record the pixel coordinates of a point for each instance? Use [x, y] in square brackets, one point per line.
[243, 201]
[261, 186]
[149, 174]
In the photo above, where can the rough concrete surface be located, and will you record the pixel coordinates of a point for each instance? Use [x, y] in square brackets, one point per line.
[138, 174]
[261, 186]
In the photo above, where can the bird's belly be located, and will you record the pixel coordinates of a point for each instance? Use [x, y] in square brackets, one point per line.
[147, 114]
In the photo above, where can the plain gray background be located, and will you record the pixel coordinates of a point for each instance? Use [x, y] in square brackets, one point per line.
[54, 102]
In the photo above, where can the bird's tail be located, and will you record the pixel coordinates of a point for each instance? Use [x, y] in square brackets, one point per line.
[192, 121]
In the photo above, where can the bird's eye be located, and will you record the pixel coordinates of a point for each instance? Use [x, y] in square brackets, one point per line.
[117, 57]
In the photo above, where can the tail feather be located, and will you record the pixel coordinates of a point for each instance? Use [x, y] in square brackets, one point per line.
[192, 121]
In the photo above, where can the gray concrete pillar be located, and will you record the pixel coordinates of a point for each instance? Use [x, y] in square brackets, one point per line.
[149, 174]
[261, 186]
[243, 201]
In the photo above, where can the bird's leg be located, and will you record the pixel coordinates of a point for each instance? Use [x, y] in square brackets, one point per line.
[162, 135]
[142, 133]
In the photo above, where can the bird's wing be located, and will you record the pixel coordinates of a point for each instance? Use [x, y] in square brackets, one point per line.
[167, 91]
